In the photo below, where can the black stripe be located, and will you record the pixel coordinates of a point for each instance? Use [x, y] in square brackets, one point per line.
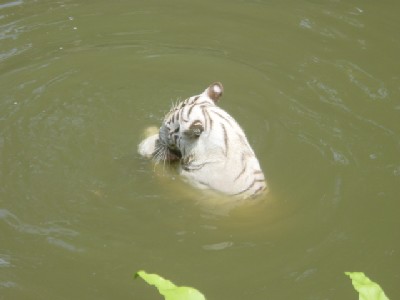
[197, 167]
[190, 111]
[182, 116]
[244, 167]
[225, 139]
[259, 173]
[249, 187]
[258, 191]
[178, 144]
[222, 117]
[241, 173]
[207, 118]
[182, 104]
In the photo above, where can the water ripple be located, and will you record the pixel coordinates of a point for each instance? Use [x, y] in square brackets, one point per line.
[375, 89]
[14, 222]
[4, 261]
[63, 244]
[14, 52]
[218, 246]
[329, 94]
[11, 4]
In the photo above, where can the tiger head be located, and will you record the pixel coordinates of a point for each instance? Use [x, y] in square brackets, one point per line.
[210, 146]
[186, 123]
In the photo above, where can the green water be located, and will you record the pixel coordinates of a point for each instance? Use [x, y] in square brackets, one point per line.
[314, 84]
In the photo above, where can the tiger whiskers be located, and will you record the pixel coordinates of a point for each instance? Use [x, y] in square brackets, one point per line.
[160, 154]
[175, 105]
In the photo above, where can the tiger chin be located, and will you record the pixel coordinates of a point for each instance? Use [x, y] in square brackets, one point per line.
[209, 146]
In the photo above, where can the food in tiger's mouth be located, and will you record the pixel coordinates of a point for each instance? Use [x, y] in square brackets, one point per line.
[210, 146]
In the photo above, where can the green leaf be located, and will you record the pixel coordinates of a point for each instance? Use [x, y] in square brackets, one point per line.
[169, 290]
[367, 289]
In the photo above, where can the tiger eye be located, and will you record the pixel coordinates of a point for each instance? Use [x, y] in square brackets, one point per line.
[195, 129]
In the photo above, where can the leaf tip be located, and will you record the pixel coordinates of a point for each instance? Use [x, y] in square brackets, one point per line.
[138, 274]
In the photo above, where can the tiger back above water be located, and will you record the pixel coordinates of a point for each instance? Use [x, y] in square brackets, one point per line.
[210, 147]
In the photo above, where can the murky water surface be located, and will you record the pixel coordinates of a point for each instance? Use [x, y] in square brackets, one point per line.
[315, 85]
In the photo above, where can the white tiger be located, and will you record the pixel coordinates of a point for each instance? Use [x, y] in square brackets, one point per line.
[210, 146]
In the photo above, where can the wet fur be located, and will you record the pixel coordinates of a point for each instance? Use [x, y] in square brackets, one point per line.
[210, 146]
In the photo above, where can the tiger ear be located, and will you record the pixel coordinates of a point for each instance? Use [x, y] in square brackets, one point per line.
[215, 90]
